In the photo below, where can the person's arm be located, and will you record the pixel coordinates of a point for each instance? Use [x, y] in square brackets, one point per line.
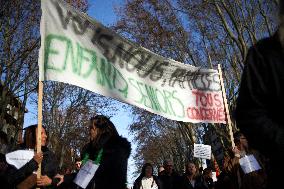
[65, 180]
[253, 111]
[231, 164]
[49, 169]
[15, 176]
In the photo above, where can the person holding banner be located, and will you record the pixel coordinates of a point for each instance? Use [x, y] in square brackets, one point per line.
[104, 158]
[261, 92]
[25, 177]
[246, 167]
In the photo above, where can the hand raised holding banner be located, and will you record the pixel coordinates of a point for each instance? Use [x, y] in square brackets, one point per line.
[38, 157]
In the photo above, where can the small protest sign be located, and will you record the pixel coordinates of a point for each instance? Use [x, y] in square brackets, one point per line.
[249, 164]
[19, 158]
[86, 174]
[202, 151]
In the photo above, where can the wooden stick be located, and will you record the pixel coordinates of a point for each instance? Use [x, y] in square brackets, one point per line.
[39, 126]
[229, 122]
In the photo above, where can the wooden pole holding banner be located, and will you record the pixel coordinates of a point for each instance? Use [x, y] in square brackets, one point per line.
[39, 126]
[229, 122]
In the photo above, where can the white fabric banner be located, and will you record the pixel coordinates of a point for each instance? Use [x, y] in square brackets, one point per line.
[78, 50]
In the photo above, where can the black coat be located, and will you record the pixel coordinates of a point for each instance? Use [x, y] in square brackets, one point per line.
[49, 167]
[112, 172]
[185, 183]
[170, 182]
[259, 113]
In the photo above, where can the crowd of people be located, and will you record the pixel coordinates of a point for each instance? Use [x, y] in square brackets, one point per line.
[110, 152]
[106, 150]
[232, 177]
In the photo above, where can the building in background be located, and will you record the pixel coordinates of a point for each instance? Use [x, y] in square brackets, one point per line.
[11, 126]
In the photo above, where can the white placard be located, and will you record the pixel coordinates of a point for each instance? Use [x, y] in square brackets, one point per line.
[78, 50]
[19, 158]
[249, 164]
[85, 174]
[202, 151]
[214, 176]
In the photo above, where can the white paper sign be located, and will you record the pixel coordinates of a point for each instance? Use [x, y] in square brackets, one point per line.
[78, 50]
[85, 174]
[214, 176]
[19, 158]
[249, 164]
[202, 151]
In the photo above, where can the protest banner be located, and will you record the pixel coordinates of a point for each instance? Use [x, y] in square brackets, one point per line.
[78, 50]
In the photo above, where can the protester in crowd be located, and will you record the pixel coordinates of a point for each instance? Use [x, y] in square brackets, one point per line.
[147, 180]
[78, 164]
[160, 170]
[25, 177]
[169, 179]
[200, 170]
[191, 177]
[108, 150]
[205, 181]
[236, 176]
[67, 170]
[224, 181]
[261, 91]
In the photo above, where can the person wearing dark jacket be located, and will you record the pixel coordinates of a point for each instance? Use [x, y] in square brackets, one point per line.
[25, 177]
[260, 100]
[191, 179]
[107, 149]
[147, 180]
[169, 179]
[205, 180]
[236, 175]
